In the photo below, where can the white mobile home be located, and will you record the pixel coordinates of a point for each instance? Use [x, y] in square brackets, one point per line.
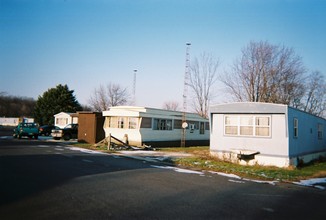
[157, 127]
[265, 134]
[62, 119]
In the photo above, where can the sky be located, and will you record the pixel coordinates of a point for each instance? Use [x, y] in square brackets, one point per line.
[88, 43]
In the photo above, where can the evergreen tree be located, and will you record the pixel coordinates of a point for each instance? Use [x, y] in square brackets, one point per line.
[53, 101]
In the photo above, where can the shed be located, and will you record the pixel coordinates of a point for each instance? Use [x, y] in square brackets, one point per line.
[90, 129]
[266, 134]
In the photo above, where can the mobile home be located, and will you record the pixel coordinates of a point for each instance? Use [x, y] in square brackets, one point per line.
[157, 127]
[266, 134]
[62, 119]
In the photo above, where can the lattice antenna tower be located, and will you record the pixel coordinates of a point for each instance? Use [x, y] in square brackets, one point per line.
[185, 94]
[134, 88]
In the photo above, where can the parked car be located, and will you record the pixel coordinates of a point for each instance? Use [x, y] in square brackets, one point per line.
[46, 129]
[26, 129]
[67, 133]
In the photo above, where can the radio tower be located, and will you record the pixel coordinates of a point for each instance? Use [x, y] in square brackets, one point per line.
[185, 91]
[134, 89]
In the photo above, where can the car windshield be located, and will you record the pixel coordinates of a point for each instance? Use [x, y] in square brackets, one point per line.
[69, 126]
[30, 125]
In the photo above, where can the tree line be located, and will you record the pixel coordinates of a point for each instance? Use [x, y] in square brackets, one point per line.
[51, 102]
[14, 106]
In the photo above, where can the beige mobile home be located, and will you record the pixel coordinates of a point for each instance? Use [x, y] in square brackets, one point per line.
[266, 134]
[156, 127]
[62, 119]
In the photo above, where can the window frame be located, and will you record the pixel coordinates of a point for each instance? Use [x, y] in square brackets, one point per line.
[121, 122]
[235, 123]
[133, 122]
[320, 129]
[201, 127]
[162, 124]
[295, 127]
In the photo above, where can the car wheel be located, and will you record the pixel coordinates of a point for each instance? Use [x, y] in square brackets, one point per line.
[67, 137]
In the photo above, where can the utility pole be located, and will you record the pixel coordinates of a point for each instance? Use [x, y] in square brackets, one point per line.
[134, 88]
[185, 93]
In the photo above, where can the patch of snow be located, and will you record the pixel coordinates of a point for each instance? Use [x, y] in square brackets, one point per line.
[236, 181]
[238, 177]
[180, 170]
[312, 182]
[85, 150]
[226, 175]
[319, 187]
[262, 181]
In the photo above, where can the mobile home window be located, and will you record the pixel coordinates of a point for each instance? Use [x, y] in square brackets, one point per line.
[247, 125]
[113, 122]
[192, 128]
[262, 126]
[231, 125]
[121, 122]
[320, 131]
[295, 127]
[202, 128]
[162, 124]
[62, 121]
[133, 123]
[146, 122]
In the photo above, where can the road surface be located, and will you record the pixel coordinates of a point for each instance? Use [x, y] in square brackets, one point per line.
[49, 180]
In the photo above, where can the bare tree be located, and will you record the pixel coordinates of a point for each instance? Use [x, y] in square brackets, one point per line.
[202, 77]
[105, 97]
[266, 73]
[314, 100]
[171, 105]
[98, 100]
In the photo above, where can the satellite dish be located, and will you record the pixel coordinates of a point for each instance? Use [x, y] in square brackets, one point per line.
[184, 125]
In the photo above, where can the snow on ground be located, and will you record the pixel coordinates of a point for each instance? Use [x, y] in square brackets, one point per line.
[313, 182]
[226, 174]
[180, 170]
[6, 137]
[154, 153]
[230, 175]
[85, 150]
[237, 179]
[261, 181]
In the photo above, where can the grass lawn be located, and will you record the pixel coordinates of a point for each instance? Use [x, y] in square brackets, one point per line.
[201, 160]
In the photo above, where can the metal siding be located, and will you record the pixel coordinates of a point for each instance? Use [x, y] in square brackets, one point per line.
[249, 108]
[307, 140]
